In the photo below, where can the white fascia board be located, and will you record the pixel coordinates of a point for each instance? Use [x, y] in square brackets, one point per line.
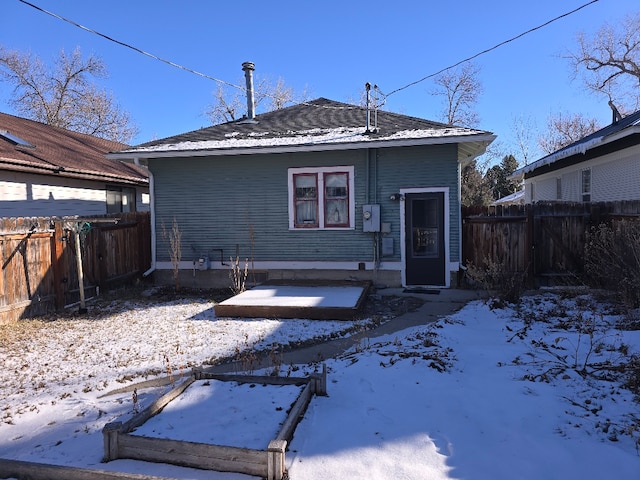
[142, 154]
[575, 150]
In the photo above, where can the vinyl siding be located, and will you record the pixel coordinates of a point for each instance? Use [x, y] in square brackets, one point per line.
[224, 202]
[614, 177]
[25, 194]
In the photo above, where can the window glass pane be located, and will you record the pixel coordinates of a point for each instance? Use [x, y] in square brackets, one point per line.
[128, 199]
[114, 201]
[586, 181]
[336, 199]
[586, 185]
[306, 186]
[336, 213]
[306, 200]
[335, 185]
[306, 213]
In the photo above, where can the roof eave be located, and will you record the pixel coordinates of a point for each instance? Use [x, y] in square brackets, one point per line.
[481, 138]
[70, 173]
[554, 157]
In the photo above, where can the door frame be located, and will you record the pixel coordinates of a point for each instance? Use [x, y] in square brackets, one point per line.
[446, 226]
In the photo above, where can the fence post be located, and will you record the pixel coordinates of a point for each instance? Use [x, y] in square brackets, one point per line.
[530, 253]
[57, 252]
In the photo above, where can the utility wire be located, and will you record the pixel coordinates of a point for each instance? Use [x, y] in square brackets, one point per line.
[492, 48]
[385, 96]
[204, 75]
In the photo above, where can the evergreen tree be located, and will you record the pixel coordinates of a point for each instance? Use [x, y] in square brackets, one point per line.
[497, 177]
[475, 190]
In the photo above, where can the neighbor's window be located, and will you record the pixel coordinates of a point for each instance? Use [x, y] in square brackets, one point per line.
[533, 192]
[321, 198]
[121, 199]
[559, 188]
[586, 185]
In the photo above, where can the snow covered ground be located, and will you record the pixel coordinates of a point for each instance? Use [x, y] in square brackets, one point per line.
[525, 392]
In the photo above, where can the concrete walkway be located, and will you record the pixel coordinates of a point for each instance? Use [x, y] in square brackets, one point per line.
[437, 305]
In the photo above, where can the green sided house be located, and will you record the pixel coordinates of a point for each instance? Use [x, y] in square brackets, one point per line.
[318, 191]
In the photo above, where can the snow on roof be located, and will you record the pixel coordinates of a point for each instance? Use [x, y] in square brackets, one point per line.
[578, 148]
[514, 198]
[621, 128]
[315, 136]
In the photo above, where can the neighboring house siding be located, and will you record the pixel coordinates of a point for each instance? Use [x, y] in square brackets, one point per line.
[614, 177]
[31, 195]
[25, 194]
[619, 178]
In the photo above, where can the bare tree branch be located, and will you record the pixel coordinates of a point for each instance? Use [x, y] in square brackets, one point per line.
[609, 62]
[461, 89]
[64, 96]
[565, 129]
[229, 105]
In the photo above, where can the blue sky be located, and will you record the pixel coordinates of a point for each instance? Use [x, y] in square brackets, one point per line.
[330, 48]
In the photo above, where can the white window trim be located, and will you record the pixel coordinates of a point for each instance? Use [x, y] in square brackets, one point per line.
[582, 189]
[322, 170]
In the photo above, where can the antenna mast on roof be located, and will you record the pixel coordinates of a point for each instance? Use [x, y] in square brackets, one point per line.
[367, 87]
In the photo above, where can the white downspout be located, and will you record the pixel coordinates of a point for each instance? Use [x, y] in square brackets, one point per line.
[152, 209]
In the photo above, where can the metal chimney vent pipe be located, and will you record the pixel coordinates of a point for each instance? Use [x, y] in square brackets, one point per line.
[248, 68]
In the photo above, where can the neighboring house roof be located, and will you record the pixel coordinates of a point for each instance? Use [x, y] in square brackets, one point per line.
[34, 147]
[516, 198]
[616, 136]
[317, 125]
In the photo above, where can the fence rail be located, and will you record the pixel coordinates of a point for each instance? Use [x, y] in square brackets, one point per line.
[545, 240]
[38, 259]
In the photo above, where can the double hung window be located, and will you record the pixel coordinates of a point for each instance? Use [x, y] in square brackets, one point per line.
[321, 198]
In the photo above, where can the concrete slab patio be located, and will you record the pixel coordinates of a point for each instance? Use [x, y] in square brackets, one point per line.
[329, 301]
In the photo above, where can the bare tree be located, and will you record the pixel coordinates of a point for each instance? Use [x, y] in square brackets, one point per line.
[564, 129]
[610, 61]
[225, 108]
[461, 89]
[64, 96]
[230, 105]
[524, 132]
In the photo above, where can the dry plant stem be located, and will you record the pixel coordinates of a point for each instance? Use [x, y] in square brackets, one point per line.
[174, 237]
[238, 275]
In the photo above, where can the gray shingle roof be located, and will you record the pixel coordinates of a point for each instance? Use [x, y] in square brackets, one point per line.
[315, 124]
[317, 114]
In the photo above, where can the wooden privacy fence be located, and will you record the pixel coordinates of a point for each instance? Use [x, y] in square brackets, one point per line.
[38, 258]
[545, 240]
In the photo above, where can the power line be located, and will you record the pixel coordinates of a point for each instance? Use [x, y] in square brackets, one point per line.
[168, 62]
[492, 48]
[155, 57]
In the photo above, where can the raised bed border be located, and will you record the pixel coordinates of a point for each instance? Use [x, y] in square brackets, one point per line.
[269, 463]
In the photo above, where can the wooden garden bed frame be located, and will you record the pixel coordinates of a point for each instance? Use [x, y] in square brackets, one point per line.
[269, 463]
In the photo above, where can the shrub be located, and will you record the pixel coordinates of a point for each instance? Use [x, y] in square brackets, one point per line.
[612, 259]
[497, 280]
